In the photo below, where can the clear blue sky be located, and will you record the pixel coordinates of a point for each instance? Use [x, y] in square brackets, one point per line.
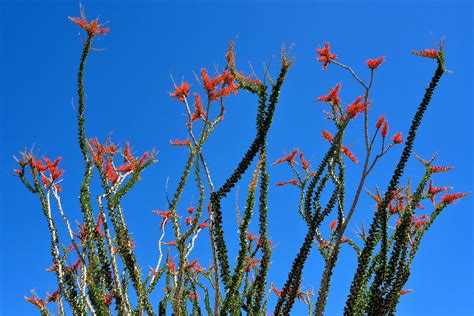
[127, 84]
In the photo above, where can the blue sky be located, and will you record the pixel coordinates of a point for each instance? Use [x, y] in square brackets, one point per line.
[127, 86]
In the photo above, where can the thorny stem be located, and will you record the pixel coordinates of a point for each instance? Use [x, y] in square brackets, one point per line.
[264, 120]
[360, 275]
[211, 188]
[46, 205]
[76, 248]
[84, 198]
[333, 255]
[206, 130]
[66, 222]
[160, 251]
[121, 295]
[289, 291]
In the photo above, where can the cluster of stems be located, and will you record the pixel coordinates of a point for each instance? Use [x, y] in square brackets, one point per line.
[107, 276]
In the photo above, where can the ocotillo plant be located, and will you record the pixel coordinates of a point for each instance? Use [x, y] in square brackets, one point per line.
[98, 273]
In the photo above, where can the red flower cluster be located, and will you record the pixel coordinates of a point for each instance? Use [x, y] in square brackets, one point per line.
[323, 244]
[419, 221]
[210, 84]
[107, 299]
[290, 158]
[170, 243]
[92, 28]
[436, 169]
[194, 296]
[165, 215]
[374, 63]
[428, 53]
[154, 272]
[276, 290]
[109, 171]
[189, 220]
[356, 107]
[380, 120]
[251, 81]
[198, 110]
[304, 163]
[333, 224]
[432, 190]
[196, 267]
[251, 262]
[83, 233]
[325, 55]
[180, 92]
[171, 265]
[332, 97]
[397, 138]
[192, 264]
[53, 297]
[203, 225]
[36, 301]
[301, 295]
[396, 203]
[178, 142]
[75, 266]
[384, 129]
[377, 197]
[42, 166]
[327, 136]
[451, 198]
[98, 226]
[251, 237]
[99, 152]
[349, 154]
[292, 181]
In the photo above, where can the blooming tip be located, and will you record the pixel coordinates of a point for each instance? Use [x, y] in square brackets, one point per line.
[327, 136]
[180, 92]
[434, 53]
[349, 154]
[92, 28]
[292, 182]
[374, 63]
[178, 142]
[325, 55]
[397, 138]
[356, 107]
[451, 198]
[436, 169]
[332, 96]
[290, 158]
[428, 53]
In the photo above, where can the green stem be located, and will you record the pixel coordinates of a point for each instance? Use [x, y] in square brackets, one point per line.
[359, 282]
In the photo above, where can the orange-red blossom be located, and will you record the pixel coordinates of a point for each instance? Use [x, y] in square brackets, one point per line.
[180, 92]
[325, 55]
[428, 53]
[288, 158]
[374, 63]
[92, 28]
